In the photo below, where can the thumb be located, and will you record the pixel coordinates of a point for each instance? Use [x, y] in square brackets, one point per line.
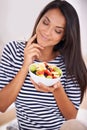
[56, 86]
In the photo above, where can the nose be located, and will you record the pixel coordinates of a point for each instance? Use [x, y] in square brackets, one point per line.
[48, 31]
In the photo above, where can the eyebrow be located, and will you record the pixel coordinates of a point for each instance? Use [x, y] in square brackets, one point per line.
[56, 26]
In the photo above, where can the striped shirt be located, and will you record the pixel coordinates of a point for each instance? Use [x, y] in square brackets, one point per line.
[35, 110]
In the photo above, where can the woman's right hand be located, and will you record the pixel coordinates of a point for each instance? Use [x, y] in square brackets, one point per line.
[31, 51]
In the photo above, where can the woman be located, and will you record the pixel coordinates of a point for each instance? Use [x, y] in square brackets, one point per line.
[56, 40]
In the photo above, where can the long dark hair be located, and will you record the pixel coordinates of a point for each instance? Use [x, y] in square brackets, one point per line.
[70, 48]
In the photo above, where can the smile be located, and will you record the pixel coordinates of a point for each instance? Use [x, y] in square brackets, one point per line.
[45, 38]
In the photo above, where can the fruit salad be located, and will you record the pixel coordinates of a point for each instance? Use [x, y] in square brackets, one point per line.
[46, 70]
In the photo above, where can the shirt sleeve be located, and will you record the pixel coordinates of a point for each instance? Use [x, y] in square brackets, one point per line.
[6, 65]
[73, 91]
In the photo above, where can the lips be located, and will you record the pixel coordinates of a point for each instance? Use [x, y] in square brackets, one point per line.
[44, 37]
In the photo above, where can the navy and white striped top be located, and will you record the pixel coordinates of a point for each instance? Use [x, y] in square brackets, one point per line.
[35, 110]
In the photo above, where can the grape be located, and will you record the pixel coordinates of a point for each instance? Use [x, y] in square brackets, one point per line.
[56, 69]
[50, 77]
[33, 68]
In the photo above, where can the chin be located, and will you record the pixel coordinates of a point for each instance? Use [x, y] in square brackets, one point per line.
[40, 42]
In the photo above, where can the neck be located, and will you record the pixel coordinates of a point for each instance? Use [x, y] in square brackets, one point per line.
[47, 55]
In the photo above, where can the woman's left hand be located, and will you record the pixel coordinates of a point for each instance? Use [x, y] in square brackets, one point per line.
[43, 88]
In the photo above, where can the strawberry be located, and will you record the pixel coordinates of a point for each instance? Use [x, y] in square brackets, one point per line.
[47, 73]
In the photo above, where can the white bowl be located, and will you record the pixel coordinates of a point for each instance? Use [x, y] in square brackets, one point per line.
[46, 81]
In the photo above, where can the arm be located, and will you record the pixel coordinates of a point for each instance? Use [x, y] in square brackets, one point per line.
[10, 91]
[66, 107]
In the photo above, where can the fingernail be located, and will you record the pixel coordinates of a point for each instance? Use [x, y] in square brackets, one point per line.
[56, 86]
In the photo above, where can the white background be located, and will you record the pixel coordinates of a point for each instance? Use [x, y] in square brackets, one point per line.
[17, 19]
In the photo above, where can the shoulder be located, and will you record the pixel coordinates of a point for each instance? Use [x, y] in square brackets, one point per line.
[13, 49]
[14, 46]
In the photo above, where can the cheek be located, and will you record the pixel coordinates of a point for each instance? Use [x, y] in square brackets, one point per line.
[37, 33]
[38, 26]
[57, 38]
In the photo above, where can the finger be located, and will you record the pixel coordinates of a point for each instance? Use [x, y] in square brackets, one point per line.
[57, 85]
[44, 87]
[33, 53]
[31, 40]
[36, 46]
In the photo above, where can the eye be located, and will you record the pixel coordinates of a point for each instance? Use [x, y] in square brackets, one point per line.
[45, 22]
[58, 31]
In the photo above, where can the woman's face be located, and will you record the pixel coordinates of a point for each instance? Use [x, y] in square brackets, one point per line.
[50, 29]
